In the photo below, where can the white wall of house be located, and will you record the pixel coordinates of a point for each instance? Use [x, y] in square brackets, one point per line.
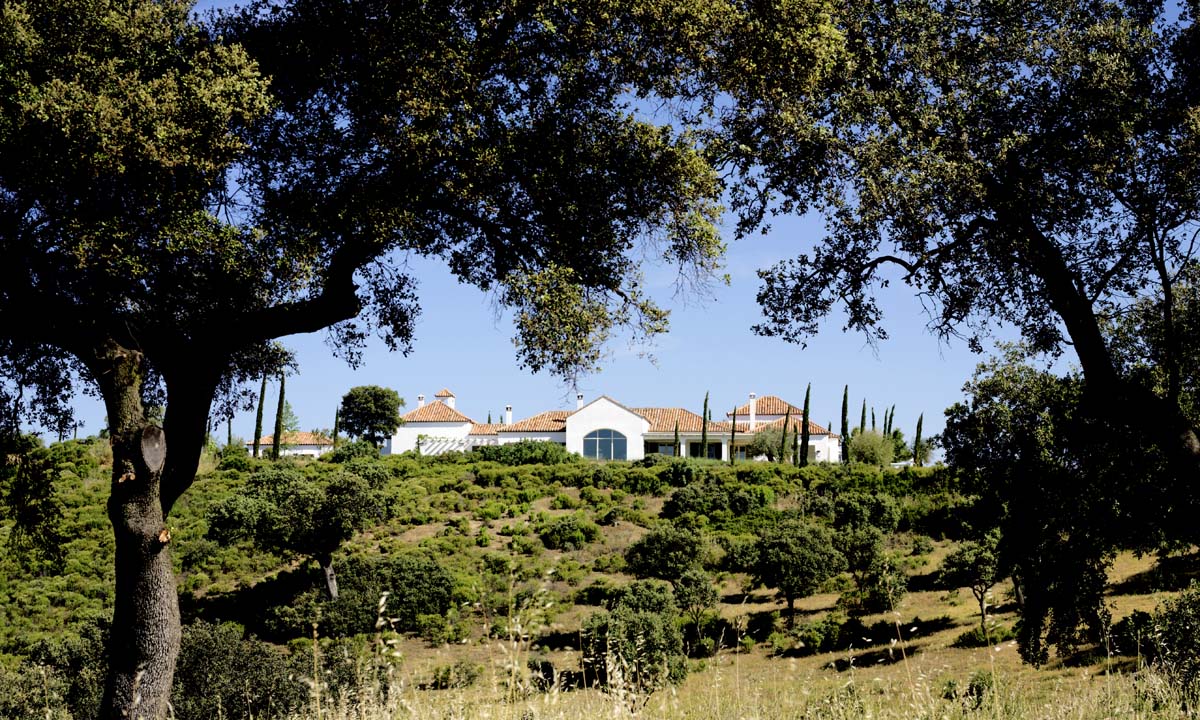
[604, 414]
[445, 436]
[506, 438]
[292, 450]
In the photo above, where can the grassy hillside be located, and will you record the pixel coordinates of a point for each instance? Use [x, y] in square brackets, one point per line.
[492, 569]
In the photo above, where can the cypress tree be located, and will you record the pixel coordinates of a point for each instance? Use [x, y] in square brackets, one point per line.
[277, 441]
[795, 447]
[489, 417]
[337, 415]
[862, 421]
[262, 395]
[228, 431]
[872, 419]
[891, 428]
[804, 431]
[676, 438]
[704, 429]
[732, 435]
[845, 424]
[783, 443]
[917, 441]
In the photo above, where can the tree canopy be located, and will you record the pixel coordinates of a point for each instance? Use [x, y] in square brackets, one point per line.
[1001, 160]
[370, 412]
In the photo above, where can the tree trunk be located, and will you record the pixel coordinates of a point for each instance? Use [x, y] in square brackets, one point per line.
[331, 585]
[982, 598]
[791, 603]
[146, 628]
[262, 394]
[277, 441]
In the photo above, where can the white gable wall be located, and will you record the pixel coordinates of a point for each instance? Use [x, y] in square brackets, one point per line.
[604, 414]
[436, 437]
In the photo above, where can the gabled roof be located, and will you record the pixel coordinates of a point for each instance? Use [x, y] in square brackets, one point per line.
[436, 412]
[664, 419]
[444, 393]
[296, 438]
[486, 428]
[614, 402]
[549, 421]
[768, 405]
[794, 426]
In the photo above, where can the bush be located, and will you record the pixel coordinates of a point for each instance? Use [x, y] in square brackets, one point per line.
[638, 643]
[221, 674]
[235, 457]
[1134, 634]
[526, 452]
[569, 532]
[461, 674]
[1177, 641]
[871, 448]
[347, 451]
[667, 552]
[976, 638]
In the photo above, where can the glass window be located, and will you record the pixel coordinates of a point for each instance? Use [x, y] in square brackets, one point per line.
[604, 445]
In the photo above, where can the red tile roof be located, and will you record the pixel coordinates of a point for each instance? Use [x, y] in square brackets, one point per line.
[794, 426]
[297, 438]
[436, 412]
[486, 428]
[445, 393]
[664, 419]
[549, 421]
[768, 405]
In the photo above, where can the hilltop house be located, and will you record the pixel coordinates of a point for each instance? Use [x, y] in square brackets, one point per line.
[307, 444]
[605, 429]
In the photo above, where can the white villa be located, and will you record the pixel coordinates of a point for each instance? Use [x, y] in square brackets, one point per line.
[605, 429]
[304, 444]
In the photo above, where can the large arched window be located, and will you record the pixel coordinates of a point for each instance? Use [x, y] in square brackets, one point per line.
[604, 445]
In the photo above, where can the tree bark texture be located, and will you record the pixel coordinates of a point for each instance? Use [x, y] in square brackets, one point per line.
[146, 625]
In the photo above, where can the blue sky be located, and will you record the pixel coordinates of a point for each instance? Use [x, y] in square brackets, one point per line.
[463, 344]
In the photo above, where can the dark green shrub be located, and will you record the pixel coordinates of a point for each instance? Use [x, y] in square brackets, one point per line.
[526, 452]
[1177, 641]
[569, 532]
[345, 452]
[1134, 634]
[235, 457]
[461, 674]
[639, 639]
[666, 552]
[976, 637]
[222, 674]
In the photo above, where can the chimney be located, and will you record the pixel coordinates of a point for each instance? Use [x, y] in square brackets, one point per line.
[753, 410]
[420, 401]
[508, 414]
[450, 402]
[579, 401]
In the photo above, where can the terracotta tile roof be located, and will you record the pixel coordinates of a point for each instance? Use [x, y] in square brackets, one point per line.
[768, 405]
[664, 419]
[436, 412]
[549, 421]
[297, 438]
[794, 426]
[445, 392]
[486, 428]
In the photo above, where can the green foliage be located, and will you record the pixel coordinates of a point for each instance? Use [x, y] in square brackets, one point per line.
[795, 557]
[527, 452]
[221, 672]
[283, 511]
[984, 636]
[695, 594]
[370, 412]
[806, 421]
[1177, 641]
[569, 532]
[871, 448]
[637, 643]
[348, 451]
[667, 552]
[28, 497]
[720, 501]
[976, 565]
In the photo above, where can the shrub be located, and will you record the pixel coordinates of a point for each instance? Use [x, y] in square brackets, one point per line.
[235, 457]
[976, 637]
[1177, 641]
[222, 674]
[871, 448]
[638, 641]
[667, 552]
[346, 452]
[1134, 634]
[461, 674]
[526, 452]
[569, 532]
